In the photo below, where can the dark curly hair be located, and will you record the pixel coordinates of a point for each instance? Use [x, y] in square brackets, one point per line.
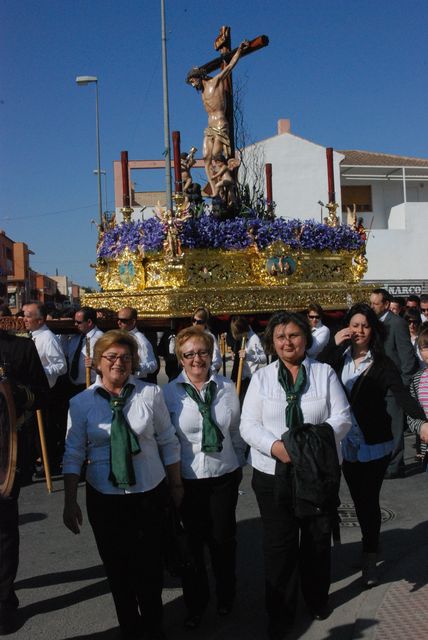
[378, 330]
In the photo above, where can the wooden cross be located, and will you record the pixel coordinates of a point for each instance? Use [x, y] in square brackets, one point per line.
[223, 45]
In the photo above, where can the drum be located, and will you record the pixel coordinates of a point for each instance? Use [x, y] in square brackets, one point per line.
[8, 439]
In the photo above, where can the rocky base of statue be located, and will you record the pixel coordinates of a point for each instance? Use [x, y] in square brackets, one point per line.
[221, 210]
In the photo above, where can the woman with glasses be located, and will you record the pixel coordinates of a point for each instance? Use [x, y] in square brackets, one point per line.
[204, 409]
[294, 407]
[320, 333]
[200, 320]
[122, 427]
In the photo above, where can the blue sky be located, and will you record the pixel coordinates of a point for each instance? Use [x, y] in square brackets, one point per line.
[349, 74]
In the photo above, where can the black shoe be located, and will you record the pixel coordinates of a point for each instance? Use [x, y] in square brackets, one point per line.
[321, 613]
[224, 609]
[193, 621]
[8, 619]
[393, 475]
[39, 471]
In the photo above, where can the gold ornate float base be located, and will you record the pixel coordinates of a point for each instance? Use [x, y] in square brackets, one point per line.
[245, 281]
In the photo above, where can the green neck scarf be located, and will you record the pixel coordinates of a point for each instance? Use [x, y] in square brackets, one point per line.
[211, 434]
[123, 441]
[293, 393]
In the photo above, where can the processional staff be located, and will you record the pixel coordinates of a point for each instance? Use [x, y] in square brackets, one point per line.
[223, 351]
[88, 368]
[45, 458]
[241, 365]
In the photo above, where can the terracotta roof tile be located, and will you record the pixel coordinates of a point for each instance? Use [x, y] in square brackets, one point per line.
[363, 158]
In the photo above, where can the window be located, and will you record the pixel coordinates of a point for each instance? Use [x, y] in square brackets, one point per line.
[360, 195]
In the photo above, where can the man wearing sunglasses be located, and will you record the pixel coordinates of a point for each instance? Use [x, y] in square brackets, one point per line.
[85, 322]
[424, 307]
[127, 321]
[320, 333]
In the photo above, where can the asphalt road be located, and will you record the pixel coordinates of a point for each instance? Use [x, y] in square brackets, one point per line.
[64, 594]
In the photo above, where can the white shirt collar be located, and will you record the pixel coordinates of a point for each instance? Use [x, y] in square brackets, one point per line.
[37, 332]
[182, 377]
[99, 381]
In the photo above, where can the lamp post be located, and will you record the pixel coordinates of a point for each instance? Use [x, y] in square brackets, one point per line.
[103, 173]
[82, 81]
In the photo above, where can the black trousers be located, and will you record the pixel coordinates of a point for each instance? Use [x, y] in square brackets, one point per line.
[129, 531]
[9, 535]
[364, 480]
[9, 548]
[292, 548]
[208, 513]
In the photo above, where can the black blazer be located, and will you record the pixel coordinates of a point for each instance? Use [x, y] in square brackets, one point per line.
[368, 395]
[21, 365]
[398, 346]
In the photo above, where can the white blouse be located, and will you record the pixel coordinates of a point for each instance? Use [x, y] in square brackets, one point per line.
[88, 437]
[263, 412]
[187, 420]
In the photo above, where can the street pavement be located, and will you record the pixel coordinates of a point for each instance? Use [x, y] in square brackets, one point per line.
[64, 594]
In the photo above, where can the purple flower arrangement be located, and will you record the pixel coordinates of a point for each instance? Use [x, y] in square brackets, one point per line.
[206, 232]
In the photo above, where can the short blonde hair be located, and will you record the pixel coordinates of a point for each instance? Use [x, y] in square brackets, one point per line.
[116, 336]
[192, 332]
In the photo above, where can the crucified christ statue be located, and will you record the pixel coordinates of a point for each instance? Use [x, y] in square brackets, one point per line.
[217, 135]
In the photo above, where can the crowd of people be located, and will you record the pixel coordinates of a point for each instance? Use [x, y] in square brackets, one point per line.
[313, 403]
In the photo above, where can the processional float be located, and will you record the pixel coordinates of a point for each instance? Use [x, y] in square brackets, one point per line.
[213, 248]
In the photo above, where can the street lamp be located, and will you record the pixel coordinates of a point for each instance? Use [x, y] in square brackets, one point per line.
[84, 80]
[103, 173]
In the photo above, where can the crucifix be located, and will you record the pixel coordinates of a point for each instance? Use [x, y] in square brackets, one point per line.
[217, 97]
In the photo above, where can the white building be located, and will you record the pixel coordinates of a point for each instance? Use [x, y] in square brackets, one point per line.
[390, 193]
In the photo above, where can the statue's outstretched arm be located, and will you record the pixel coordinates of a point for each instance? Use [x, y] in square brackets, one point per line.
[233, 61]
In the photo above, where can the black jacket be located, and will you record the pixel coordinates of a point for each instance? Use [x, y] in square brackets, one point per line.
[20, 364]
[314, 471]
[368, 398]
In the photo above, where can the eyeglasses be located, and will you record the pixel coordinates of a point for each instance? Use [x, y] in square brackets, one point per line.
[314, 317]
[424, 309]
[112, 357]
[125, 320]
[412, 322]
[202, 353]
[79, 321]
[198, 321]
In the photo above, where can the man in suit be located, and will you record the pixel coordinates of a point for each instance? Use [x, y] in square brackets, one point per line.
[21, 366]
[399, 348]
[88, 333]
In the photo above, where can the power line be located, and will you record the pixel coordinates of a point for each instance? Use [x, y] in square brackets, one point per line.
[49, 213]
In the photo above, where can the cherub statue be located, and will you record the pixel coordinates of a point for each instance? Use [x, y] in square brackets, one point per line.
[187, 160]
[108, 221]
[172, 224]
[223, 180]
[332, 220]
